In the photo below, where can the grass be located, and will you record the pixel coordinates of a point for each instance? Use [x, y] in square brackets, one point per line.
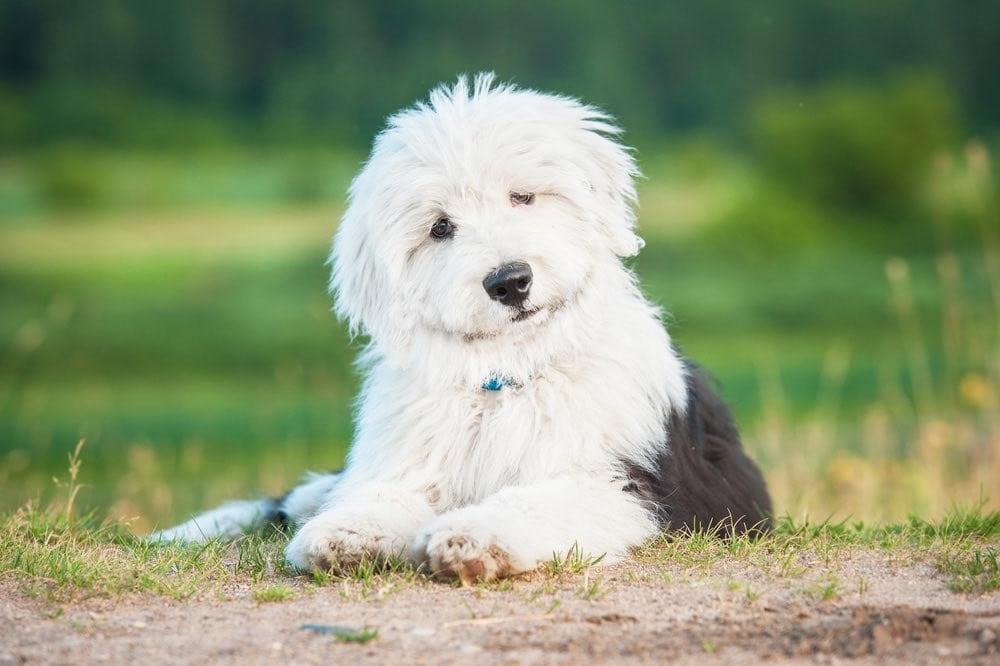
[826, 590]
[60, 556]
[275, 593]
[975, 570]
[573, 561]
[590, 589]
[343, 634]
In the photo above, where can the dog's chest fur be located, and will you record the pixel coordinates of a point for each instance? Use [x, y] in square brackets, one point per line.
[511, 438]
[470, 444]
[580, 415]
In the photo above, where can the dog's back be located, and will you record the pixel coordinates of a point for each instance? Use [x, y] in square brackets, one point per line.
[704, 479]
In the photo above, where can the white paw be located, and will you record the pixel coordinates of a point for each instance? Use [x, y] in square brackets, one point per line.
[340, 541]
[469, 554]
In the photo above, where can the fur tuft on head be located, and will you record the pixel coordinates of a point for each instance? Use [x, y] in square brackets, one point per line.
[468, 155]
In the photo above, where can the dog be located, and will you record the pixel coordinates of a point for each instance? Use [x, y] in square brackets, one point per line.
[521, 396]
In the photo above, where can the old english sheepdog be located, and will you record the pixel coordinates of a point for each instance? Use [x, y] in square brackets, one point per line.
[521, 396]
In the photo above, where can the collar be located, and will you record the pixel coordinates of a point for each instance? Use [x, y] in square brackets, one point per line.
[497, 383]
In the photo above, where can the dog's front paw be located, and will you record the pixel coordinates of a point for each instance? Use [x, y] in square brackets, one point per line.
[339, 542]
[470, 555]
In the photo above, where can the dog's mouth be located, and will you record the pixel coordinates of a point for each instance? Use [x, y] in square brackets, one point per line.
[548, 311]
[519, 316]
[525, 314]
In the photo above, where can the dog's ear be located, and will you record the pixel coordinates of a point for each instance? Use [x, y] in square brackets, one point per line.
[362, 282]
[611, 171]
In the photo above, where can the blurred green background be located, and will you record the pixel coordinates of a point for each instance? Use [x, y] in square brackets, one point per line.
[819, 206]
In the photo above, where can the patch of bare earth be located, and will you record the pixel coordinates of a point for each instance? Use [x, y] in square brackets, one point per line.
[868, 606]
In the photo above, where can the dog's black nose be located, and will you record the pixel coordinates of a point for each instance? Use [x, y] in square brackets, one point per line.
[509, 284]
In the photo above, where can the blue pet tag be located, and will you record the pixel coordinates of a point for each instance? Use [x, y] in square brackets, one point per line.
[494, 384]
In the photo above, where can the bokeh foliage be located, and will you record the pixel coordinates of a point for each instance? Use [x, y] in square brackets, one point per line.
[190, 72]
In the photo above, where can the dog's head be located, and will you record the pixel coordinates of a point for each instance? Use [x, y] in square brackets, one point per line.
[480, 214]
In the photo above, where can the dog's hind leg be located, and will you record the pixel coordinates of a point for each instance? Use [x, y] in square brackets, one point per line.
[228, 521]
[239, 517]
[307, 499]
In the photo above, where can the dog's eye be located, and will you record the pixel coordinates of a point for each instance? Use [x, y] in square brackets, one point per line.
[442, 229]
[522, 198]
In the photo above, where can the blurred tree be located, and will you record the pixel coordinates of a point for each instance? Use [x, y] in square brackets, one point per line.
[856, 147]
[120, 71]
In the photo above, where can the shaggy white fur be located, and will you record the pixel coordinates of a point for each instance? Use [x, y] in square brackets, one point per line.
[473, 482]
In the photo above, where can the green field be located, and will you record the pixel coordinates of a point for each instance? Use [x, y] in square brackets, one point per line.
[194, 349]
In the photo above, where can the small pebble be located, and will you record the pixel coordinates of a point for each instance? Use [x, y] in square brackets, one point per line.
[987, 636]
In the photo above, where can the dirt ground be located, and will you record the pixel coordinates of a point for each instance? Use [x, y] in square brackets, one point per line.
[882, 609]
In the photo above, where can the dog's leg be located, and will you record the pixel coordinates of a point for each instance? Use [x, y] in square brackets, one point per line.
[372, 520]
[306, 500]
[236, 518]
[519, 527]
[228, 521]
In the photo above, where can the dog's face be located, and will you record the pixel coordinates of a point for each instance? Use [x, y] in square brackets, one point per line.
[481, 214]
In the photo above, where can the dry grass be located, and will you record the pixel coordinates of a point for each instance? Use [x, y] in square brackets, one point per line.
[924, 444]
[57, 555]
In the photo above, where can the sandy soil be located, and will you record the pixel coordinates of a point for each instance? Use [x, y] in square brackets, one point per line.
[888, 610]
